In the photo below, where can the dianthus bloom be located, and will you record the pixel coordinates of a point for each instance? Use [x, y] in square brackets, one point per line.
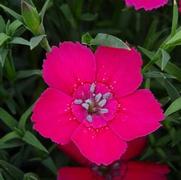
[127, 171]
[93, 101]
[134, 149]
[124, 169]
[146, 4]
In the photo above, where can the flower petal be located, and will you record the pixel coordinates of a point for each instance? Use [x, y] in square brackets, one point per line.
[119, 68]
[72, 151]
[135, 148]
[100, 146]
[141, 115]
[52, 117]
[68, 65]
[77, 173]
[146, 4]
[148, 171]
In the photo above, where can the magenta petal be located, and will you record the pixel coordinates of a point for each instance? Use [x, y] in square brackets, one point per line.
[119, 68]
[100, 146]
[146, 4]
[140, 115]
[67, 65]
[52, 117]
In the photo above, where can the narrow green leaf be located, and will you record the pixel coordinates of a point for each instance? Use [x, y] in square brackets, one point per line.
[9, 136]
[11, 12]
[21, 41]
[175, 40]
[46, 5]
[165, 58]
[28, 73]
[32, 140]
[31, 17]
[48, 162]
[68, 15]
[11, 144]
[174, 18]
[13, 27]
[3, 55]
[36, 40]
[108, 40]
[174, 107]
[2, 24]
[8, 119]
[1, 177]
[3, 38]
[14, 172]
[24, 118]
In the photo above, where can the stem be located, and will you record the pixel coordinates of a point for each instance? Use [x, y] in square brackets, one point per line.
[45, 45]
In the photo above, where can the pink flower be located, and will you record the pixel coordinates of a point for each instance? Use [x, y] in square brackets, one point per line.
[146, 4]
[179, 4]
[93, 101]
[134, 149]
[127, 171]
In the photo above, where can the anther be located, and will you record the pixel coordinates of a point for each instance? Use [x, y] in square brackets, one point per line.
[104, 111]
[107, 95]
[88, 101]
[78, 101]
[98, 97]
[89, 118]
[85, 105]
[102, 102]
[92, 87]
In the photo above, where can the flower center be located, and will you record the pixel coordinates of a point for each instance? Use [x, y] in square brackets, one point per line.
[95, 104]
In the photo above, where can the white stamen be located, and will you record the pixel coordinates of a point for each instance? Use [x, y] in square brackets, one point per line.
[85, 105]
[102, 102]
[92, 87]
[89, 118]
[88, 101]
[107, 95]
[104, 111]
[78, 101]
[98, 97]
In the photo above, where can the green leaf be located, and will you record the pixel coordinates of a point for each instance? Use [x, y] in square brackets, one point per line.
[1, 177]
[31, 17]
[8, 119]
[3, 38]
[68, 15]
[11, 144]
[24, 118]
[21, 41]
[30, 176]
[13, 27]
[174, 107]
[48, 162]
[9, 136]
[165, 58]
[28, 73]
[46, 5]
[175, 40]
[11, 12]
[174, 18]
[32, 140]
[2, 24]
[35, 41]
[14, 172]
[86, 39]
[3, 55]
[108, 40]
